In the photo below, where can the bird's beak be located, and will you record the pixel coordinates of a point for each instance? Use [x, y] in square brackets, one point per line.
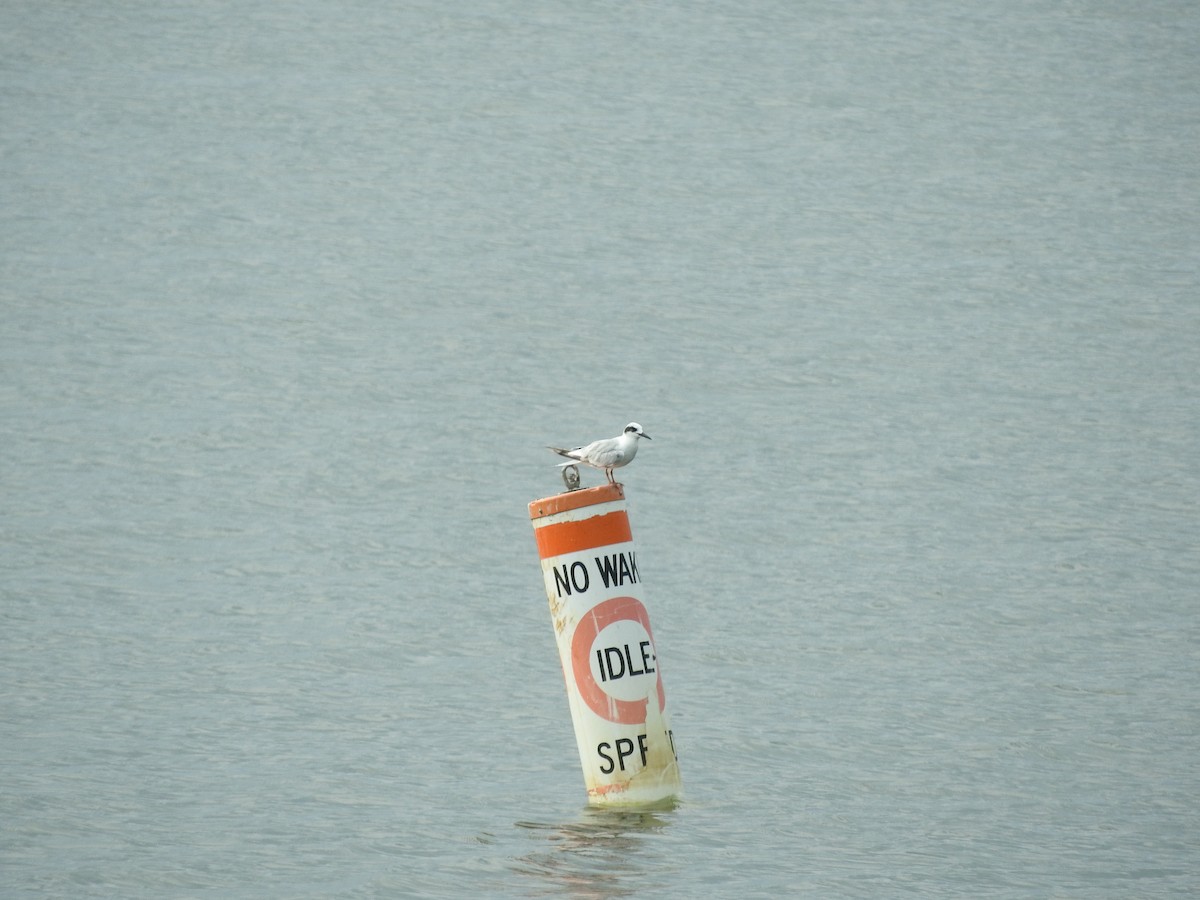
[646, 436]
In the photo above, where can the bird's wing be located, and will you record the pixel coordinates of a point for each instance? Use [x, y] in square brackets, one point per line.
[605, 453]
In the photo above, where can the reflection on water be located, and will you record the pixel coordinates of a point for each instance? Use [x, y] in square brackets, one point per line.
[603, 853]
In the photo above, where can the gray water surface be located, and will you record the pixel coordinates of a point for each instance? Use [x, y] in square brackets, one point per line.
[295, 295]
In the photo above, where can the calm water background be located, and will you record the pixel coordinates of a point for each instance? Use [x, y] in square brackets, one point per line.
[295, 294]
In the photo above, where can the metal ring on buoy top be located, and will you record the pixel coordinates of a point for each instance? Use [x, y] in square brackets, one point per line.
[570, 475]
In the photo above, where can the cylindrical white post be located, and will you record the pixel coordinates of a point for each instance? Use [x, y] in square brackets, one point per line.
[609, 658]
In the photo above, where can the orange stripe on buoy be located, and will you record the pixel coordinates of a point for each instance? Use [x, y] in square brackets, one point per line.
[548, 506]
[571, 537]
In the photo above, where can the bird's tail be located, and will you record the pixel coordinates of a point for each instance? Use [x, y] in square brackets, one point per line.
[567, 453]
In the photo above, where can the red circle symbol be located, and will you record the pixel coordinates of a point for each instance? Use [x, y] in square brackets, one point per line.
[599, 617]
